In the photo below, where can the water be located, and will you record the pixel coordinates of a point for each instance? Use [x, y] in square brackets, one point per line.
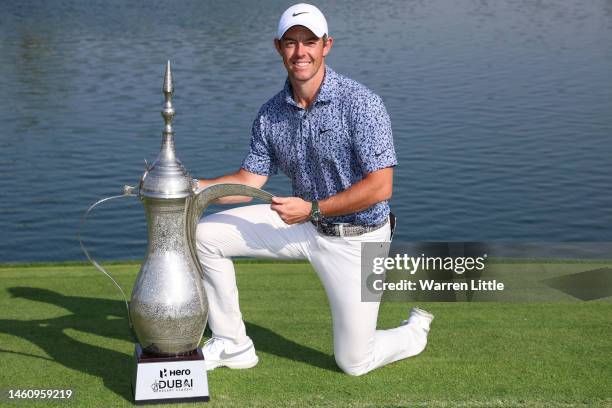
[501, 111]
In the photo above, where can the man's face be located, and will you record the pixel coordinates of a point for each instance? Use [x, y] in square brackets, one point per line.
[302, 52]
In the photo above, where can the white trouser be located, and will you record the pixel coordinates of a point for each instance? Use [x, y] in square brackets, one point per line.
[258, 231]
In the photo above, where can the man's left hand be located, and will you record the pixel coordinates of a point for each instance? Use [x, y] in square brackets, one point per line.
[292, 210]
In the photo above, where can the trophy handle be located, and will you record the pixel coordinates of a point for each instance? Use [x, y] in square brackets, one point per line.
[197, 203]
[128, 191]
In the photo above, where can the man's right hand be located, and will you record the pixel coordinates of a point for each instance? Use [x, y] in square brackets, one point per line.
[292, 210]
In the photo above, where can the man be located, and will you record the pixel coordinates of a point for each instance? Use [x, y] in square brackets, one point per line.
[332, 137]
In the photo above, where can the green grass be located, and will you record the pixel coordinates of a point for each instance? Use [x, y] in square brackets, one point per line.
[64, 326]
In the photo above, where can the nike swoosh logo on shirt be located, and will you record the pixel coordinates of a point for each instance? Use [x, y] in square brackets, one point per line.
[225, 355]
[297, 14]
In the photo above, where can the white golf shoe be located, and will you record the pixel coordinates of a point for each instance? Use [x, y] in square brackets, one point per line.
[419, 318]
[223, 353]
[417, 329]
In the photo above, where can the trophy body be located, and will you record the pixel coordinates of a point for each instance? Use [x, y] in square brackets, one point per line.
[168, 308]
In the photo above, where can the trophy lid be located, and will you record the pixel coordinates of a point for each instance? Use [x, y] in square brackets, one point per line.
[167, 178]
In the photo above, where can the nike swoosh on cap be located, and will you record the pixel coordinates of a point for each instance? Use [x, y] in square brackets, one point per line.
[297, 14]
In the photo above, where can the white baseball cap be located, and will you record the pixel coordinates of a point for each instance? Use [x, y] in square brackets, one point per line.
[305, 15]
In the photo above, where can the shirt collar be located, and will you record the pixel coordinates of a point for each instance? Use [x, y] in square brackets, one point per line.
[326, 92]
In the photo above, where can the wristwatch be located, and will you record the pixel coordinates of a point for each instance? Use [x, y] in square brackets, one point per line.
[315, 213]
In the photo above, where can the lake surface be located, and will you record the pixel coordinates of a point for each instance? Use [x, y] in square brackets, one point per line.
[501, 111]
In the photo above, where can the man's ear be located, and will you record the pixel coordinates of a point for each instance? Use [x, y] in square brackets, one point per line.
[328, 46]
[277, 46]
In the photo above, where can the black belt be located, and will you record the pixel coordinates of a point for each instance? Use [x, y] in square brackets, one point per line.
[349, 230]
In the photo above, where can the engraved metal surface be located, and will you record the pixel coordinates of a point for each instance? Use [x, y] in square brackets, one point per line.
[168, 308]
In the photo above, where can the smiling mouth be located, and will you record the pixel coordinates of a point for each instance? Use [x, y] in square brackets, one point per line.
[301, 64]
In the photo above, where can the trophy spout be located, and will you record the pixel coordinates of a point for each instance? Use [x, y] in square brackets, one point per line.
[197, 204]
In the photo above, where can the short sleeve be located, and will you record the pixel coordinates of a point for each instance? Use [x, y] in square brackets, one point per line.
[260, 159]
[372, 135]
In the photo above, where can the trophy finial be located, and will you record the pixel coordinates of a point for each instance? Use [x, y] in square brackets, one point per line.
[168, 85]
[168, 111]
[167, 178]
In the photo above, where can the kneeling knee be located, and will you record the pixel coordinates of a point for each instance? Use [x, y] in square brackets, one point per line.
[352, 367]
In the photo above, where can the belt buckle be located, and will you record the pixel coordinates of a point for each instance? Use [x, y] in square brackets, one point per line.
[332, 229]
[340, 226]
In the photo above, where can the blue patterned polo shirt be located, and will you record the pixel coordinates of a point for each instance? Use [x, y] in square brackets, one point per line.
[344, 135]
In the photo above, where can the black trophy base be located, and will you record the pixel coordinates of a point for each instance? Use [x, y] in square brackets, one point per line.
[169, 379]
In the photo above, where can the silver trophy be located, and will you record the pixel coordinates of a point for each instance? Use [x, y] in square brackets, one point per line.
[168, 309]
